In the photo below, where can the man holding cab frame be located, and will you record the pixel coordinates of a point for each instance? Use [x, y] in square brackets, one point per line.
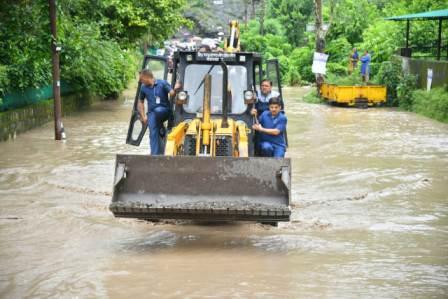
[271, 126]
[157, 93]
[266, 93]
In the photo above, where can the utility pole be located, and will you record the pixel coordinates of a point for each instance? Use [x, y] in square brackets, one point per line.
[58, 127]
[320, 39]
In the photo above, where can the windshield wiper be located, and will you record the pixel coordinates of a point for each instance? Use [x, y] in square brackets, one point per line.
[203, 79]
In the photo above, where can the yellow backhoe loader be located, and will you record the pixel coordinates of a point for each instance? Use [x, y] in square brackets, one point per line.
[210, 170]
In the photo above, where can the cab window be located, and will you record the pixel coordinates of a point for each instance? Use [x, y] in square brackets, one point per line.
[194, 85]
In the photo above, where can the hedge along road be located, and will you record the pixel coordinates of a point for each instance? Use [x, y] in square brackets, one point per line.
[370, 215]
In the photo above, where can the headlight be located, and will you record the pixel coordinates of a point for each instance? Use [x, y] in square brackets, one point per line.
[248, 95]
[182, 96]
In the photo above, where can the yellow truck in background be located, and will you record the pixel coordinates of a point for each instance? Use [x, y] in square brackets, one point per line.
[362, 96]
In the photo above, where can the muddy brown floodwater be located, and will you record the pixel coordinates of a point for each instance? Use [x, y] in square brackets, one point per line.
[370, 216]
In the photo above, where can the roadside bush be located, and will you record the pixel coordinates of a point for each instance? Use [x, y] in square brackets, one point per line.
[284, 67]
[374, 69]
[407, 84]
[302, 59]
[433, 104]
[293, 76]
[3, 79]
[337, 69]
[390, 75]
[339, 50]
[312, 98]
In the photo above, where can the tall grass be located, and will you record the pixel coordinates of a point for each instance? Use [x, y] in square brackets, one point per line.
[433, 104]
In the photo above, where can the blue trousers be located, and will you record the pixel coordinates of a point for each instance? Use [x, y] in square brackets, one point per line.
[156, 117]
[271, 150]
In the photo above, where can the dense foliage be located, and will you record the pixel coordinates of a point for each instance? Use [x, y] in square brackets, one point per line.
[390, 74]
[359, 24]
[352, 24]
[432, 104]
[98, 40]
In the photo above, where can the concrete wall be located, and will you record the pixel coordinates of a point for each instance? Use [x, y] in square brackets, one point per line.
[420, 68]
[19, 120]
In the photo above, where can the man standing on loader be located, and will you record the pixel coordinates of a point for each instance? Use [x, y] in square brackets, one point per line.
[263, 98]
[157, 94]
[272, 128]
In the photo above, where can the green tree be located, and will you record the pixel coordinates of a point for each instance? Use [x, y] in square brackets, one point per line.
[382, 39]
[128, 21]
[351, 19]
[25, 43]
[339, 50]
[294, 15]
[97, 37]
[422, 33]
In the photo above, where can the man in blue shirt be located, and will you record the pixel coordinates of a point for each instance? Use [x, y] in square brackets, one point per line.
[365, 69]
[272, 128]
[156, 93]
[354, 57]
[266, 93]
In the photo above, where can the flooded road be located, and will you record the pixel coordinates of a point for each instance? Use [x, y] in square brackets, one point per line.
[370, 216]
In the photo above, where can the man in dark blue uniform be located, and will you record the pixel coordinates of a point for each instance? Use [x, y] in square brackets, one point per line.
[262, 104]
[156, 93]
[266, 93]
[272, 128]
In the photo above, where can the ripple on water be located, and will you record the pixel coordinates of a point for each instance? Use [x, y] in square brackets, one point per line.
[299, 243]
[403, 228]
[21, 179]
[94, 178]
[151, 241]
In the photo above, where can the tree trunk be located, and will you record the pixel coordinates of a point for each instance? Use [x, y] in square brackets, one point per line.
[247, 4]
[145, 47]
[262, 11]
[320, 39]
[245, 14]
[253, 9]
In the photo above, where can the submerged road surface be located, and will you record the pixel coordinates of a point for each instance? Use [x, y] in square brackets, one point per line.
[370, 216]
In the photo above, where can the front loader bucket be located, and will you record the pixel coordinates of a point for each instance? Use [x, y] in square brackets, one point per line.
[202, 188]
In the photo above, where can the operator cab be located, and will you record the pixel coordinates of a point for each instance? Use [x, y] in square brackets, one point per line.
[241, 72]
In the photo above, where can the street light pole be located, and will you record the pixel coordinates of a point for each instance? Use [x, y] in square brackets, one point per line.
[58, 127]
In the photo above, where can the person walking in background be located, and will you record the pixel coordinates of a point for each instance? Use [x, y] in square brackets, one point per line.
[365, 68]
[353, 63]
